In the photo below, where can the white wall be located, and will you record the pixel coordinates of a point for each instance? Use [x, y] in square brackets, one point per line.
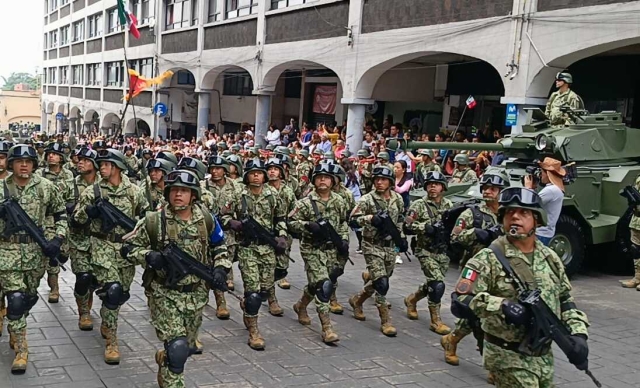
[236, 109]
[407, 85]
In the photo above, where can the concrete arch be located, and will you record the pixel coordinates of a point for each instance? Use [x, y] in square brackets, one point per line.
[75, 113]
[132, 129]
[62, 108]
[272, 74]
[209, 78]
[109, 120]
[91, 115]
[173, 79]
[49, 108]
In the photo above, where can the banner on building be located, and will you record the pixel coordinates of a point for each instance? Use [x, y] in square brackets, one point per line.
[325, 99]
[189, 107]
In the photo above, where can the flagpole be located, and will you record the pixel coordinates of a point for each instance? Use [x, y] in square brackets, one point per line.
[453, 136]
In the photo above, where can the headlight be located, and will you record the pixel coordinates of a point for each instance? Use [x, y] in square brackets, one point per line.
[541, 142]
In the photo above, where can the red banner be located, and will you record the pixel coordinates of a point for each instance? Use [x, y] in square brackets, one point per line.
[325, 99]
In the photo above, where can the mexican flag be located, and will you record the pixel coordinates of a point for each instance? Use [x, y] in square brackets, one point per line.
[127, 18]
[469, 274]
[471, 102]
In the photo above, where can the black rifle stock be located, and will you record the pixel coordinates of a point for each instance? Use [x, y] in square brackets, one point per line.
[252, 230]
[181, 264]
[112, 217]
[632, 196]
[388, 228]
[329, 233]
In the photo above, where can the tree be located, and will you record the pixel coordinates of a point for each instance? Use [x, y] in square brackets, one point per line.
[21, 78]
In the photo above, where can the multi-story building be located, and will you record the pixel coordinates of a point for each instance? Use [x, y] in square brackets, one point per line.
[266, 61]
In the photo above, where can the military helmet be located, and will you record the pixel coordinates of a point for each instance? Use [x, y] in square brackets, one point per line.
[254, 164]
[318, 151]
[424, 152]
[193, 164]
[114, 156]
[87, 153]
[346, 154]
[285, 159]
[384, 172]
[383, 155]
[161, 164]
[128, 147]
[269, 147]
[218, 161]
[168, 155]
[28, 141]
[494, 177]
[182, 178]
[55, 148]
[324, 169]
[253, 151]
[329, 155]
[226, 153]
[363, 153]
[5, 146]
[99, 144]
[341, 175]
[146, 151]
[520, 197]
[222, 146]
[276, 162]
[435, 177]
[303, 153]
[461, 159]
[236, 148]
[564, 76]
[282, 150]
[39, 144]
[236, 161]
[22, 151]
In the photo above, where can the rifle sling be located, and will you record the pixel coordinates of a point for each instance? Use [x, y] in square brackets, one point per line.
[519, 271]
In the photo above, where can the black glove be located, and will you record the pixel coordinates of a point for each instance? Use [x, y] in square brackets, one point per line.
[235, 225]
[404, 246]
[219, 279]
[483, 236]
[52, 249]
[282, 245]
[70, 207]
[125, 249]
[515, 313]
[429, 230]
[92, 211]
[155, 260]
[313, 227]
[343, 249]
[376, 221]
[580, 354]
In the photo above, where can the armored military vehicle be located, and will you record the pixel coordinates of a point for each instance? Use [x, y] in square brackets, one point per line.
[606, 157]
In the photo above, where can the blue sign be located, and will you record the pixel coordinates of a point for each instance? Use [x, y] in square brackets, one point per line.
[160, 109]
[59, 116]
[512, 115]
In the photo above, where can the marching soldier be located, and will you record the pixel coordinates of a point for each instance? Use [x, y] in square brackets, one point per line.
[422, 219]
[634, 227]
[462, 173]
[427, 164]
[318, 255]
[131, 160]
[176, 311]
[113, 273]
[487, 290]
[257, 258]
[235, 168]
[146, 156]
[5, 146]
[23, 262]
[383, 160]
[42, 159]
[158, 170]
[378, 248]
[303, 169]
[365, 168]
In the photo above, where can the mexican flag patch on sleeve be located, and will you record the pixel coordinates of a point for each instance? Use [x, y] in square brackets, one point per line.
[470, 274]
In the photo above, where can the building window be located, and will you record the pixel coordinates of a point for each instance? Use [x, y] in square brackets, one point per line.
[180, 14]
[53, 72]
[237, 8]
[237, 84]
[95, 25]
[277, 4]
[144, 67]
[45, 75]
[77, 74]
[186, 78]
[64, 36]
[215, 10]
[53, 39]
[140, 8]
[53, 5]
[114, 21]
[46, 42]
[115, 74]
[64, 2]
[64, 75]
[78, 31]
[94, 74]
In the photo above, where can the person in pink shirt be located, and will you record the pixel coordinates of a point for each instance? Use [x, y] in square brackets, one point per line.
[403, 181]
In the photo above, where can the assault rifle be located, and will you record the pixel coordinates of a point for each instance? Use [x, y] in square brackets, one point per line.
[181, 264]
[388, 228]
[545, 326]
[632, 195]
[16, 219]
[112, 217]
[329, 233]
[441, 236]
[253, 231]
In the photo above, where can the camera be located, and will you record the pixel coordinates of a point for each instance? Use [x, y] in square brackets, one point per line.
[535, 172]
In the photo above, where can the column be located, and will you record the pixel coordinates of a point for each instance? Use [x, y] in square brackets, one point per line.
[44, 121]
[161, 126]
[263, 116]
[204, 107]
[72, 126]
[355, 121]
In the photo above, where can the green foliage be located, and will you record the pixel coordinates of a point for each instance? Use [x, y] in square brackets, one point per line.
[18, 78]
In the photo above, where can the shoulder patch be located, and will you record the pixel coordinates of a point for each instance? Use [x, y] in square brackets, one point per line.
[464, 287]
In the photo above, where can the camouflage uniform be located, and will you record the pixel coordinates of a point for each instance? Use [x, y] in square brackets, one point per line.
[132, 162]
[288, 199]
[366, 169]
[634, 228]
[176, 314]
[423, 168]
[487, 284]
[460, 176]
[558, 100]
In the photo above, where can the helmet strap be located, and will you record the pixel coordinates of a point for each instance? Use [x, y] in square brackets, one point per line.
[513, 233]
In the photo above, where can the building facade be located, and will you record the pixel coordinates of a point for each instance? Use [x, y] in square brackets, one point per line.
[346, 61]
[19, 106]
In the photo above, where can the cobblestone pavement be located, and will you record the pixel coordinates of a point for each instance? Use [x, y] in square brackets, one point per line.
[63, 356]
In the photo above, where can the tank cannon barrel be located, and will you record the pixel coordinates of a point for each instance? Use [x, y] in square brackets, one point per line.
[393, 144]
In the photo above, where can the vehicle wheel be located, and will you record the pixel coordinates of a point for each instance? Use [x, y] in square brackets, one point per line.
[569, 243]
[622, 244]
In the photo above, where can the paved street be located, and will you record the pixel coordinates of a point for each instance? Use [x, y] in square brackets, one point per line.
[62, 356]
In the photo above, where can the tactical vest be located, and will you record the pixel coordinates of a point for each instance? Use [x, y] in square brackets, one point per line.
[99, 192]
[171, 232]
[10, 190]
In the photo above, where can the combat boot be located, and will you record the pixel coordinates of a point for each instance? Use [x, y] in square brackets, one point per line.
[199, 347]
[84, 315]
[54, 294]
[449, 343]
[491, 379]
[366, 276]
[334, 305]
[411, 301]
[244, 315]
[230, 285]
[328, 335]
[385, 322]
[19, 365]
[3, 313]
[221, 305]
[301, 309]
[12, 340]
[436, 325]
[356, 302]
[284, 284]
[632, 283]
[111, 351]
[274, 307]
[161, 360]
[256, 342]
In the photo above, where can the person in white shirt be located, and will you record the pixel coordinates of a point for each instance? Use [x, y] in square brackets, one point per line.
[551, 194]
[273, 136]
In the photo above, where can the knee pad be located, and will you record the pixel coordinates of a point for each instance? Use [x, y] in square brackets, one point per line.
[252, 303]
[264, 295]
[17, 305]
[324, 289]
[125, 297]
[83, 283]
[31, 301]
[335, 273]
[111, 294]
[381, 285]
[635, 251]
[280, 273]
[177, 351]
[435, 290]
